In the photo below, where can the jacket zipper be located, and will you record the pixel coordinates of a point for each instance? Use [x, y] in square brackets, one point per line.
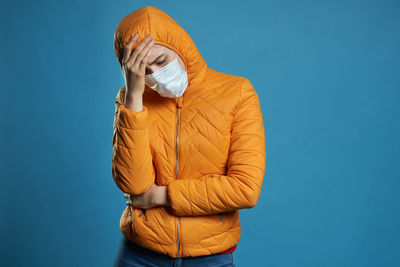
[176, 168]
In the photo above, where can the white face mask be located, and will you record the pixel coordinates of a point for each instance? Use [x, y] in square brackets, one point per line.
[169, 81]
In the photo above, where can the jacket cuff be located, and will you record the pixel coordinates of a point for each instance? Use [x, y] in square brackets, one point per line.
[131, 119]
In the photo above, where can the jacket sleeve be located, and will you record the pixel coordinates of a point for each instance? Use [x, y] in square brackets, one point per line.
[241, 186]
[132, 164]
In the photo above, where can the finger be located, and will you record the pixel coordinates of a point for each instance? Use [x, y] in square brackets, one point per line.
[128, 48]
[143, 57]
[132, 59]
[143, 64]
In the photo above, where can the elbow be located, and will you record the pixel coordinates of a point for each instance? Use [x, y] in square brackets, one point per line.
[122, 185]
[130, 188]
[256, 192]
[126, 185]
[249, 190]
[251, 199]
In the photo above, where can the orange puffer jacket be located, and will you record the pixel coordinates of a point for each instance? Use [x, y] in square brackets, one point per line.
[207, 146]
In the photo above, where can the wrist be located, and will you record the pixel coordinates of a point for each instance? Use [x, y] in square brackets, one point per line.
[161, 196]
[134, 101]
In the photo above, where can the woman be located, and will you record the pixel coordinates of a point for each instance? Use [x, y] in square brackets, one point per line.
[188, 148]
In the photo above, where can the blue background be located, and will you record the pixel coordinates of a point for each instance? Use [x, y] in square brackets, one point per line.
[327, 73]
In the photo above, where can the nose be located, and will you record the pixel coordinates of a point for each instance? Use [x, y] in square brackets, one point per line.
[148, 71]
[151, 69]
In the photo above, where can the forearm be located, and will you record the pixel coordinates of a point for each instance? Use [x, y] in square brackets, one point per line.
[160, 197]
[132, 164]
[216, 194]
[134, 102]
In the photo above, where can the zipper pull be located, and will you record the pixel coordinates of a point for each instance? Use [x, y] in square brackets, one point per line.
[179, 101]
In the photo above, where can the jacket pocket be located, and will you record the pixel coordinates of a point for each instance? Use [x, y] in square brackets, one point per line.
[154, 225]
[136, 217]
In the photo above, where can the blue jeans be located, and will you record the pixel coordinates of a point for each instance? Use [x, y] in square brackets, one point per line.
[131, 254]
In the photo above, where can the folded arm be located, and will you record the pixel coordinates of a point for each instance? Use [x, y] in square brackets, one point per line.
[241, 186]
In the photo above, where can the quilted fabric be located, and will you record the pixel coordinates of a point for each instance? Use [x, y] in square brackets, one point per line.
[207, 146]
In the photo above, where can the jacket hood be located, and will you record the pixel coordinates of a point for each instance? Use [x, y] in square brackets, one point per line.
[165, 31]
